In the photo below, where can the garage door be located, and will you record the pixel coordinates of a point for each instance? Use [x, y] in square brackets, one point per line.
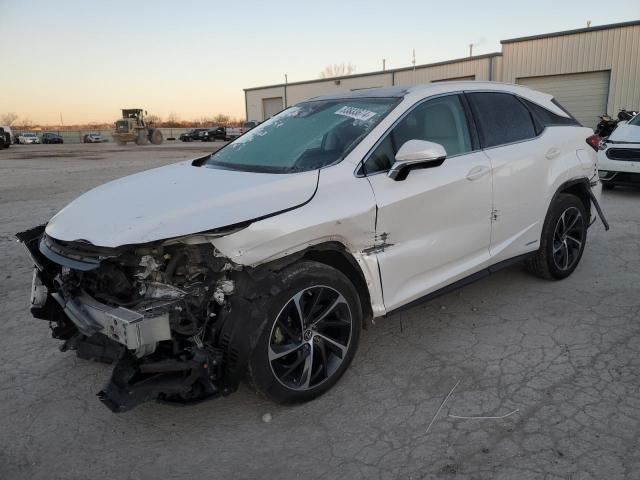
[454, 79]
[271, 106]
[583, 94]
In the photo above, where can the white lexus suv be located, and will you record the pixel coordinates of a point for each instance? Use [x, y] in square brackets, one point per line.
[264, 259]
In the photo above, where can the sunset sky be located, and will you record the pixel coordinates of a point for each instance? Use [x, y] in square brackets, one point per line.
[87, 59]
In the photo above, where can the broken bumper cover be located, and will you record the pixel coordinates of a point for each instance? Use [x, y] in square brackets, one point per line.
[149, 363]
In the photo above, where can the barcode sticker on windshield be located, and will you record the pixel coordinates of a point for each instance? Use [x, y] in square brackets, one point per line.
[357, 113]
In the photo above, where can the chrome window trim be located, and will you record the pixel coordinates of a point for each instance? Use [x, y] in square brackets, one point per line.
[366, 157]
[359, 174]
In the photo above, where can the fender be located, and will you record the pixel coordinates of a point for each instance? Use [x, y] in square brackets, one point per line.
[582, 184]
[243, 318]
[312, 227]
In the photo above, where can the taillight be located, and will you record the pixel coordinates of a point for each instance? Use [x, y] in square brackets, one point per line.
[594, 142]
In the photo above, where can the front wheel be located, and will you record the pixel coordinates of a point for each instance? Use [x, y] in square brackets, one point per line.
[311, 334]
[564, 235]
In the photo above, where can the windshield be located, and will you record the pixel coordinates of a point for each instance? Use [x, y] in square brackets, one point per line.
[28, 134]
[307, 136]
[635, 120]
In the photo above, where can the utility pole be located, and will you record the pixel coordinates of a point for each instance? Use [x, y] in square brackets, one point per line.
[384, 64]
[413, 62]
[471, 49]
[286, 81]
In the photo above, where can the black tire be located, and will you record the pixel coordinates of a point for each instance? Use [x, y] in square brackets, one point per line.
[560, 251]
[608, 186]
[306, 280]
[155, 136]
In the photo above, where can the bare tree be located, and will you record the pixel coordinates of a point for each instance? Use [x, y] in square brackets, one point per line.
[204, 121]
[172, 120]
[154, 119]
[8, 118]
[222, 119]
[337, 70]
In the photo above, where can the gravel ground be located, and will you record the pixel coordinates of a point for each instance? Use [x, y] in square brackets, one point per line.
[562, 355]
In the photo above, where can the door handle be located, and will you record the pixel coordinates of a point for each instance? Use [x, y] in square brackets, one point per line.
[552, 153]
[477, 172]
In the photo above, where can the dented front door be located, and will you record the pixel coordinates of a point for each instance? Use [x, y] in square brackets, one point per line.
[433, 228]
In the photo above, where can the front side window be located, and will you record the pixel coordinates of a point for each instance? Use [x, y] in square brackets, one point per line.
[441, 120]
[501, 118]
[307, 136]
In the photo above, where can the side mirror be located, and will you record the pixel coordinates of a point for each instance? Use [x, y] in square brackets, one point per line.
[416, 154]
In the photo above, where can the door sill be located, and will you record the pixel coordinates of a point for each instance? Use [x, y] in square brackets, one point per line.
[464, 281]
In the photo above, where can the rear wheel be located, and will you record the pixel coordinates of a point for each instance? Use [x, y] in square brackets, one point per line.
[564, 235]
[311, 334]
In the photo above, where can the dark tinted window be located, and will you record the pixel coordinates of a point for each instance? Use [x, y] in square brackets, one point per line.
[501, 118]
[546, 117]
[441, 120]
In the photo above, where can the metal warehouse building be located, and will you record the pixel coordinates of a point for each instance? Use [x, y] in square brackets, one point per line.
[590, 71]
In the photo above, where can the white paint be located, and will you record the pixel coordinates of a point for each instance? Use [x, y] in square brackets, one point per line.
[625, 132]
[438, 222]
[176, 200]
[624, 136]
[439, 225]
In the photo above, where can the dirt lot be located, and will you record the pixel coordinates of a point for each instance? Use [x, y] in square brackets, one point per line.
[563, 354]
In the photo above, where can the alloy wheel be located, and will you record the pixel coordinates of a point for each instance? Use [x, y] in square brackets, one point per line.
[568, 238]
[310, 338]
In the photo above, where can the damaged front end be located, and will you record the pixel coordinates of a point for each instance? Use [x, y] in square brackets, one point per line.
[157, 310]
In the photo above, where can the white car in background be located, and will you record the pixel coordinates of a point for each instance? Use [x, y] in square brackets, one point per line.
[619, 155]
[27, 138]
[264, 259]
[92, 138]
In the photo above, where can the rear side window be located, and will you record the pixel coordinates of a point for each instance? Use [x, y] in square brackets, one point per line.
[547, 118]
[500, 118]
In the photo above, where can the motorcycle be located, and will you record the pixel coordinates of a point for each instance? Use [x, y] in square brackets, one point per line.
[626, 115]
[605, 126]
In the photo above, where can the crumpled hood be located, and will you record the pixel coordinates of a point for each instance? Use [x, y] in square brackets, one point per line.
[625, 133]
[177, 200]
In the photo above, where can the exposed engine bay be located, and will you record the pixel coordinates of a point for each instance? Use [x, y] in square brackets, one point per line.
[157, 311]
